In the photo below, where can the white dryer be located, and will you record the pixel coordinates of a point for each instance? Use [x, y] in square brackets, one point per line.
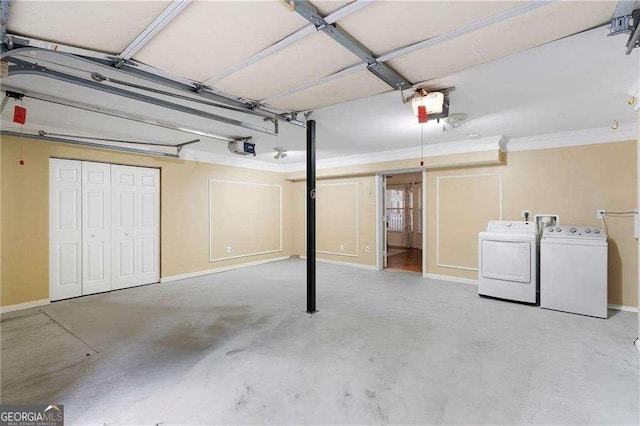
[507, 261]
[573, 270]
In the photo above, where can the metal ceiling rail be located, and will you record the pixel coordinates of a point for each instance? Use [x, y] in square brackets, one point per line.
[96, 76]
[154, 28]
[118, 114]
[307, 30]
[89, 144]
[177, 146]
[25, 67]
[20, 44]
[510, 13]
[381, 70]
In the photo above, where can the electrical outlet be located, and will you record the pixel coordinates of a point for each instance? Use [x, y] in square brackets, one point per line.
[600, 214]
[228, 249]
[366, 249]
[526, 215]
[341, 247]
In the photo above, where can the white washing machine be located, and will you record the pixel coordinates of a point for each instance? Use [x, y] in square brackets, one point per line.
[573, 270]
[507, 261]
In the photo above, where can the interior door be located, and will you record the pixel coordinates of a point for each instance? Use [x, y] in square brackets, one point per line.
[96, 227]
[65, 229]
[135, 203]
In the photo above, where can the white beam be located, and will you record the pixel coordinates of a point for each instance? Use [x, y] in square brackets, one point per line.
[290, 39]
[154, 28]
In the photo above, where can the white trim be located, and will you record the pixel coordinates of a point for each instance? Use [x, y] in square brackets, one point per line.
[25, 305]
[574, 138]
[211, 259]
[425, 221]
[229, 160]
[450, 278]
[500, 203]
[357, 185]
[379, 260]
[623, 308]
[434, 150]
[352, 265]
[221, 269]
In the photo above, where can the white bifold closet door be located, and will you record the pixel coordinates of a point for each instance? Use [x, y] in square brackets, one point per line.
[65, 229]
[96, 227]
[136, 226]
[104, 231]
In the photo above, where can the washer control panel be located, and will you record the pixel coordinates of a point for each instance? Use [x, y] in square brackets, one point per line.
[575, 231]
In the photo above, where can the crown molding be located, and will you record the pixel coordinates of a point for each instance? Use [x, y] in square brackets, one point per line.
[434, 150]
[556, 140]
[574, 138]
[229, 160]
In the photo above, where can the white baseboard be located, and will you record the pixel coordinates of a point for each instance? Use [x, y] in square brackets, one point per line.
[450, 278]
[623, 308]
[221, 269]
[26, 305]
[352, 265]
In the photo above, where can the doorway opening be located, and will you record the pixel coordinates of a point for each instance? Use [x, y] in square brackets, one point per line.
[403, 219]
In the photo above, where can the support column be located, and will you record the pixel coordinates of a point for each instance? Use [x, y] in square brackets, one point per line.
[311, 217]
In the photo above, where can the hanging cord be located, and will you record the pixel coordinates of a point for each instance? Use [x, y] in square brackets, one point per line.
[422, 144]
[22, 138]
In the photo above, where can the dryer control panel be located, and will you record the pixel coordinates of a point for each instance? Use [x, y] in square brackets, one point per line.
[510, 225]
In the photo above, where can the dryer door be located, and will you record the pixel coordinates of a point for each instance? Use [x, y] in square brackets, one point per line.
[506, 260]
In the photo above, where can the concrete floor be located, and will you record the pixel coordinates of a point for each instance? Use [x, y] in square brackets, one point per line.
[386, 347]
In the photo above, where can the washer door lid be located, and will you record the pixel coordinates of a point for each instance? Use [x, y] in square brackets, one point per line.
[506, 260]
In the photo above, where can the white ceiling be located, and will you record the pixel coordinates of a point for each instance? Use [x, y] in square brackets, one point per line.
[210, 37]
[575, 83]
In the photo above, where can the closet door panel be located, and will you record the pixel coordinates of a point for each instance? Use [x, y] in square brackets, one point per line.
[65, 229]
[96, 226]
[136, 231]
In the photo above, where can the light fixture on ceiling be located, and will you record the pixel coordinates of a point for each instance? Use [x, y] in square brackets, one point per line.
[433, 102]
[429, 105]
[453, 121]
[280, 153]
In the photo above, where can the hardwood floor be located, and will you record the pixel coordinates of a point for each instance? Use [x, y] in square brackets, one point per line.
[410, 260]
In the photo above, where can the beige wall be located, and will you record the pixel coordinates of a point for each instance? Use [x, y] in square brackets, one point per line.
[337, 223]
[184, 213]
[246, 219]
[573, 182]
[463, 202]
